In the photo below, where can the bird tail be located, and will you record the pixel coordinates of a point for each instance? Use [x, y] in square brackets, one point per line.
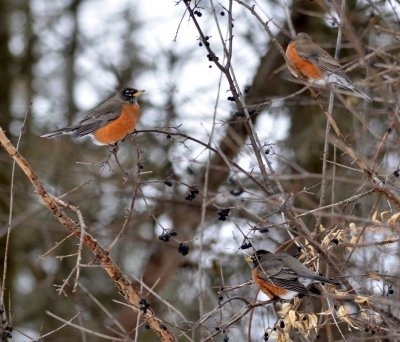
[342, 82]
[326, 280]
[360, 93]
[58, 132]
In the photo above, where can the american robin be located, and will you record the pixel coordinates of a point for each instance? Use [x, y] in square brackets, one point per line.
[110, 121]
[315, 64]
[283, 276]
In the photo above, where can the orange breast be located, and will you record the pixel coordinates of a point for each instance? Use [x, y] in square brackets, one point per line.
[119, 128]
[307, 69]
[269, 289]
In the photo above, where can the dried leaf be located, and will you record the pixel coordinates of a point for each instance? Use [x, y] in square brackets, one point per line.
[357, 239]
[327, 312]
[374, 217]
[285, 308]
[343, 314]
[311, 251]
[313, 322]
[393, 219]
[292, 318]
[361, 300]
[365, 316]
[326, 241]
[283, 336]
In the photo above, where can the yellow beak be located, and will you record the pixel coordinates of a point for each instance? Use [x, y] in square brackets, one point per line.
[248, 259]
[139, 92]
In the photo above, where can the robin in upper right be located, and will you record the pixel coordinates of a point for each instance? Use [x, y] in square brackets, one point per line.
[109, 122]
[282, 276]
[315, 64]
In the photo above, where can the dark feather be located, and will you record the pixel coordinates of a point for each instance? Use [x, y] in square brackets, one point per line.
[290, 285]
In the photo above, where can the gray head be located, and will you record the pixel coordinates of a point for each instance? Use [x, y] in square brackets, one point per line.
[302, 35]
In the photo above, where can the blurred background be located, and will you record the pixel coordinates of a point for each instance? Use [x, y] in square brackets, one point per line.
[61, 58]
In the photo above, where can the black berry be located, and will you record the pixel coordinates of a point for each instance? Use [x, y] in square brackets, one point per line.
[246, 245]
[236, 192]
[183, 249]
[144, 305]
[222, 214]
[168, 183]
[191, 195]
[164, 237]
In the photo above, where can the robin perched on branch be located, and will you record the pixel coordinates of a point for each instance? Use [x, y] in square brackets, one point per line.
[109, 122]
[317, 65]
[283, 276]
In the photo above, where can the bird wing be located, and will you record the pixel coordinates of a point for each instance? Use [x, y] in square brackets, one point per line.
[272, 269]
[97, 118]
[301, 270]
[314, 54]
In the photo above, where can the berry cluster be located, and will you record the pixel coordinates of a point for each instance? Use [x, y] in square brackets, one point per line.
[222, 214]
[246, 245]
[168, 183]
[191, 195]
[263, 230]
[198, 13]
[166, 235]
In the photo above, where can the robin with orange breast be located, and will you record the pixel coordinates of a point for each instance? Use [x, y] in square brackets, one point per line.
[317, 65]
[283, 276]
[109, 122]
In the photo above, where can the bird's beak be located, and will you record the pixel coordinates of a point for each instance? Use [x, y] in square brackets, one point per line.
[139, 92]
[248, 259]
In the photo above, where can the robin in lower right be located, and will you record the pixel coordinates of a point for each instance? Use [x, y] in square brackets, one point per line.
[283, 276]
[317, 65]
[109, 122]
